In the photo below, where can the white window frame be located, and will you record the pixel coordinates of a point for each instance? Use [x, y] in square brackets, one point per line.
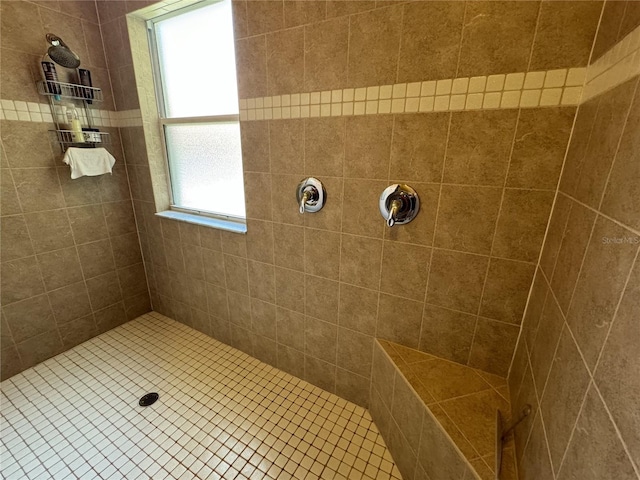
[200, 217]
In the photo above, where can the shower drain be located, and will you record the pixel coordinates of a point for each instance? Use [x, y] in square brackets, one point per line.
[148, 399]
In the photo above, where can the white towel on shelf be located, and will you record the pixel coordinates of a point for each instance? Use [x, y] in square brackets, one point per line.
[88, 161]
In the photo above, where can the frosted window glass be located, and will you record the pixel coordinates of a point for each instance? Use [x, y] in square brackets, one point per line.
[205, 163]
[197, 62]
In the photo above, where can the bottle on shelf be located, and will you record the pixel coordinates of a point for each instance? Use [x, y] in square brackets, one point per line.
[51, 79]
[74, 124]
[84, 76]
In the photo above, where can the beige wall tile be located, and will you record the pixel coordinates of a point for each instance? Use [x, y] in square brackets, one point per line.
[326, 46]
[133, 282]
[417, 150]
[251, 65]
[399, 320]
[497, 37]
[564, 34]
[39, 348]
[49, 230]
[299, 12]
[77, 331]
[285, 204]
[285, 61]
[31, 183]
[595, 450]
[9, 204]
[17, 71]
[320, 339]
[407, 410]
[264, 16]
[368, 143]
[257, 187]
[286, 140]
[355, 351]
[20, 279]
[126, 250]
[521, 224]
[374, 39]
[531, 318]
[574, 245]
[60, 268]
[70, 302]
[217, 300]
[360, 211]
[447, 333]
[467, 218]
[566, 387]
[291, 360]
[104, 290]
[322, 253]
[110, 317]
[260, 241]
[236, 274]
[506, 290]
[338, 8]
[596, 296]
[289, 246]
[21, 27]
[580, 136]
[555, 231]
[290, 328]
[493, 345]
[11, 363]
[321, 298]
[618, 375]
[607, 35]
[430, 40]
[255, 146]
[320, 373]
[263, 318]
[539, 147]
[456, 280]
[88, 223]
[401, 450]
[239, 309]
[324, 147]
[290, 289]
[15, 241]
[360, 261]
[358, 309]
[262, 281]
[405, 269]
[607, 129]
[352, 387]
[473, 157]
[233, 243]
[437, 455]
[29, 318]
[622, 197]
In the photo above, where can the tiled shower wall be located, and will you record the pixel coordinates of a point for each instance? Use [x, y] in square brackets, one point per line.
[71, 262]
[577, 360]
[309, 293]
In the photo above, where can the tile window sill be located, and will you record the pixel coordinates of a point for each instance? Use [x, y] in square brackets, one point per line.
[220, 224]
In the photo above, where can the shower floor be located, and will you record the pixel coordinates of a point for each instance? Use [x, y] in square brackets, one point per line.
[221, 414]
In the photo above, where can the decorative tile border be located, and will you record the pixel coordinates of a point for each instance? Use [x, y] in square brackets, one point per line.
[513, 90]
[41, 113]
[618, 65]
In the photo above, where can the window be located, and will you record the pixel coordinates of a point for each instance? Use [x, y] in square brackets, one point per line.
[195, 76]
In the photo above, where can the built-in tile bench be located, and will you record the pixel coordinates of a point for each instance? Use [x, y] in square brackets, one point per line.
[437, 417]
